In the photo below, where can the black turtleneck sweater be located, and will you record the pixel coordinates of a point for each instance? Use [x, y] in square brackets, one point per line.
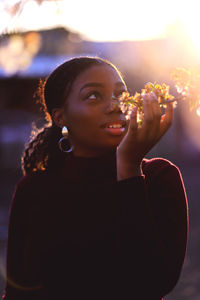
[76, 232]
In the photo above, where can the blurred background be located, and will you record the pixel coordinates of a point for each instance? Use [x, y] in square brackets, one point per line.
[146, 40]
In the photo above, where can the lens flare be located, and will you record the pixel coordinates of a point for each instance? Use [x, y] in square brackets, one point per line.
[198, 110]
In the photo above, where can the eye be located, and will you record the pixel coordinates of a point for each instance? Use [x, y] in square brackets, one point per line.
[93, 96]
[121, 93]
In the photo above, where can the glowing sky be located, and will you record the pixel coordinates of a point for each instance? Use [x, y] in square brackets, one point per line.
[106, 20]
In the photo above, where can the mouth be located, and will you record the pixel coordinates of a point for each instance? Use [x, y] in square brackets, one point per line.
[115, 127]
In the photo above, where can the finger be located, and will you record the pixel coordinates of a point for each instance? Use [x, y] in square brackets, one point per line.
[133, 125]
[157, 118]
[152, 116]
[167, 119]
[148, 112]
[156, 108]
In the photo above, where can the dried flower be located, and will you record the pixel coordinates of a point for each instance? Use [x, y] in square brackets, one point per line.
[127, 102]
[187, 83]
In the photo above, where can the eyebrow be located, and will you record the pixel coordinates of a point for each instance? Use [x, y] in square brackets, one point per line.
[98, 84]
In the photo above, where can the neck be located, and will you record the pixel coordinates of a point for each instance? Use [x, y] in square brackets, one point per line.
[93, 154]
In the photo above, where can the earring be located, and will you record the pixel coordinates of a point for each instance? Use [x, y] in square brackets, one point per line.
[64, 141]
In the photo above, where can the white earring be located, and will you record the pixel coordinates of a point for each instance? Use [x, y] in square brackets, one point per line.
[64, 141]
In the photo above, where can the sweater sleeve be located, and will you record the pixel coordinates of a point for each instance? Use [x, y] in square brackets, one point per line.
[18, 284]
[153, 230]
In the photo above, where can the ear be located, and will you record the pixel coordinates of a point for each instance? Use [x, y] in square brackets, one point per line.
[58, 117]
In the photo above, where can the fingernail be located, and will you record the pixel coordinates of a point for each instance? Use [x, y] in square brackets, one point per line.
[152, 96]
[145, 96]
[134, 110]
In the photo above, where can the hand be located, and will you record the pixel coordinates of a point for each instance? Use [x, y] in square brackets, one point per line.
[139, 139]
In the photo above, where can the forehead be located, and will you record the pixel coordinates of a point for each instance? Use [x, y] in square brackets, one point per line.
[103, 74]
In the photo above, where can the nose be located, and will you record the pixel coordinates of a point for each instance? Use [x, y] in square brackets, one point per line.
[113, 105]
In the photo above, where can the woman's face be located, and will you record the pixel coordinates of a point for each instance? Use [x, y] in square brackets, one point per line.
[94, 125]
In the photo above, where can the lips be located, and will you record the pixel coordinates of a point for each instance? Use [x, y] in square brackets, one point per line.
[115, 127]
[115, 124]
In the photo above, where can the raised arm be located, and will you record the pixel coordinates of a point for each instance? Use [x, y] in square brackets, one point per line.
[140, 139]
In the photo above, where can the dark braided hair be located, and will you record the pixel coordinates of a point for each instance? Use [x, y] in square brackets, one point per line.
[43, 152]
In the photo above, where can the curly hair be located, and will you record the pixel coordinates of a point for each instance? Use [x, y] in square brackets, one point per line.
[42, 152]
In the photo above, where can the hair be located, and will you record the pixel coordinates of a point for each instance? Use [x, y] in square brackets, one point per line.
[42, 151]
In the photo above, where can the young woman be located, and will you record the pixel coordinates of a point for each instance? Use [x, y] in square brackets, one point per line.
[92, 218]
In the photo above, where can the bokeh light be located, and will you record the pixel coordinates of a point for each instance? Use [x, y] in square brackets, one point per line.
[198, 110]
[17, 51]
[191, 123]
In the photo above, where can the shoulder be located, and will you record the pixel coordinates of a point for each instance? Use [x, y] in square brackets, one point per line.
[31, 179]
[157, 163]
[164, 178]
[35, 183]
[33, 189]
[157, 167]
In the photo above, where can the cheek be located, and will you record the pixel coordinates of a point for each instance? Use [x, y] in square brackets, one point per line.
[84, 118]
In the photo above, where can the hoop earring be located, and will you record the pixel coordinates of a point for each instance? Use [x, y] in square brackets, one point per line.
[64, 140]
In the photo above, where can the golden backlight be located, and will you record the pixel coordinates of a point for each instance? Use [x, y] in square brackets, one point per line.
[111, 20]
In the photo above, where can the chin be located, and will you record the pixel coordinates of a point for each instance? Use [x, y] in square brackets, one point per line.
[111, 146]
